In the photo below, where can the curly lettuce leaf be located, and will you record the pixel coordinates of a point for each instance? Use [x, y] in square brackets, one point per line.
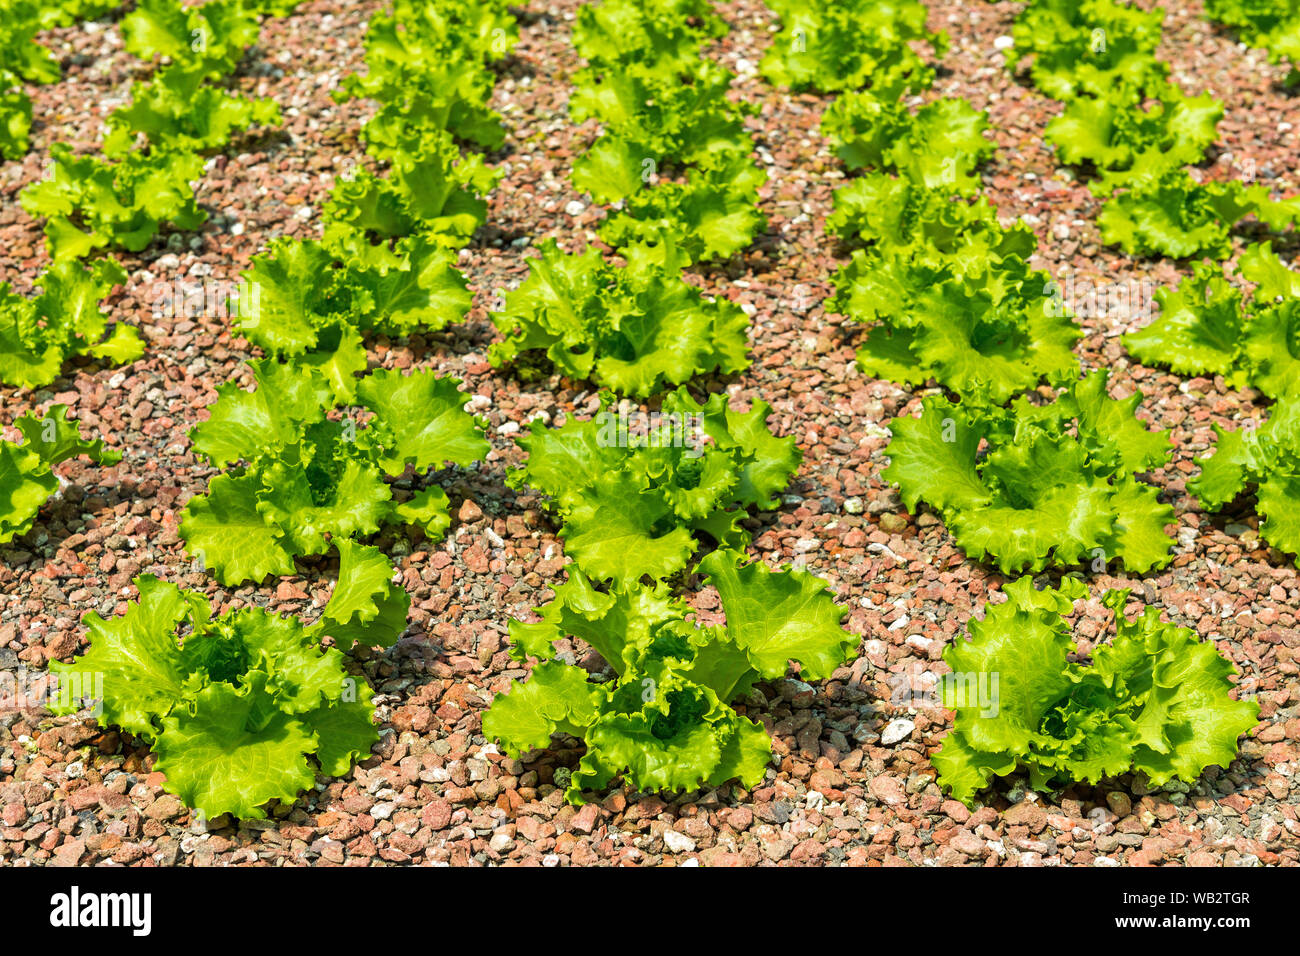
[1155, 699]
[663, 722]
[634, 330]
[1056, 486]
[233, 706]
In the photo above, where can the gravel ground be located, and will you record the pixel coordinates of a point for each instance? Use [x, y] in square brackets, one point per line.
[851, 782]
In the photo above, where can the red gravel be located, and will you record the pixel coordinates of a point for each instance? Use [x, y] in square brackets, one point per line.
[436, 791]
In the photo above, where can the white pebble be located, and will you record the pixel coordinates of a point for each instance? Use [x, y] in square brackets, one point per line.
[678, 842]
[897, 730]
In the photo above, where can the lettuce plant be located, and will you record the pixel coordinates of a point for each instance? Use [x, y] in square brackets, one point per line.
[1088, 47]
[634, 329]
[665, 36]
[1264, 459]
[663, 721]
[418, 33]
[210, 37]
[711, 215]
[27, 476]
[1129, 144]
[1056, 487]
[310, 480]
[67, 12]
[652, 122]
[242, 708]
[673, 145]
[846, 46]
[650, 119]
[938, 146]
[178, 111]
[90, 203]
[427, 65]
[430, 190]
[632, 503]
[947, 292]
[312, 304]
[38, 335]
[1099, 56]
[1272, 25]
[1209, 327]
[1176, 216]
[1154, 700]
[22, 60]
[450, 94]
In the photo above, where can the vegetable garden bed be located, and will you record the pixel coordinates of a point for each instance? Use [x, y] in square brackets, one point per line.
[580, 434]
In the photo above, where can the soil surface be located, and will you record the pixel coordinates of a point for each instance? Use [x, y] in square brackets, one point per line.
[850, 781]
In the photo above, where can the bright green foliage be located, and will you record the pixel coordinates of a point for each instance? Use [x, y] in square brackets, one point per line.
[367, 606]
[122, 201]
[1099, 56]
[634, 329]
[176, 110]
[234, 706]
[1133, 146]
[421, 31]
[632, 501]
[305, 301]
[426, 63]
[27, 476]
[1176, 216]
[947, 292]
[311, 480]
[430, 191]
[1088, 47]
[39, 334]
[22, 60]
[944, 287]
[1264, 459]
[91, 204]
[713, 215]
[847, 45]
[1208, 327]
[448, 94]
[1272, 25]
[664, 722]
[1154, 700]
[665, 114]
[64, 13]
[938, 146]
[664, 36]
[650, 121]
[1056, 487]
[210, 38]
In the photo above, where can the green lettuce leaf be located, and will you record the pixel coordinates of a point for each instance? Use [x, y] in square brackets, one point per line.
[27, 476]
[1154, 699]
[634, 330]
[1265, 460]
[233, 706]
[663, 722]
[1055, 487]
